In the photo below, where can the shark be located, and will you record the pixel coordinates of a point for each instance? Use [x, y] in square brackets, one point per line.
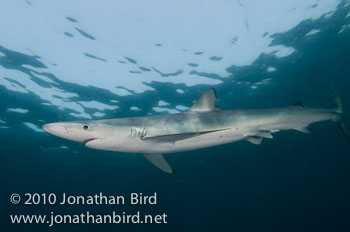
[203, 125]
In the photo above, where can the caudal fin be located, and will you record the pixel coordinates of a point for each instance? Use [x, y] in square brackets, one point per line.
[338, 107]
[341, 125]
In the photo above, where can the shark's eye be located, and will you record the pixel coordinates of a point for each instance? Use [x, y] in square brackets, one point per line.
[86, 127]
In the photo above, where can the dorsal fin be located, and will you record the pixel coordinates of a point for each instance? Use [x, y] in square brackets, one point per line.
[206, 102]
[298, 103]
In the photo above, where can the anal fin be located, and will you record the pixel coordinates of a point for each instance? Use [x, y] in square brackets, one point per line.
[304, 129]
[159, 161]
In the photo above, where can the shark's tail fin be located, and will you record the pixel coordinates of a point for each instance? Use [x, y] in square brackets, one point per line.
[338, 107]
[343, 130]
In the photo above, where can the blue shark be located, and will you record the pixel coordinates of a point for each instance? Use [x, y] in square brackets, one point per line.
[203, 125]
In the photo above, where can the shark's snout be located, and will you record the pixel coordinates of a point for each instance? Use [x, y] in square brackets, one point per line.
[55, 129]
[74, 131]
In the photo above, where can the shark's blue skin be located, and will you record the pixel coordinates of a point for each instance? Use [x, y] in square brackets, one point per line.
[204, 125]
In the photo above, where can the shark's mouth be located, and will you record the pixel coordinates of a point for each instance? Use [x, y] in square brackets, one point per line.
[88, 140]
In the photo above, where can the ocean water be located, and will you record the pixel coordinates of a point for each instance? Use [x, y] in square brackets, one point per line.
[81, 60]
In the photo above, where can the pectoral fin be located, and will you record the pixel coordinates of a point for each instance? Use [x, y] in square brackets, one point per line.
[159, 161]
[177, 137]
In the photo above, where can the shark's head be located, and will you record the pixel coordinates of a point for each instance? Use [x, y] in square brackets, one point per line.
[83, 132]
[92, 134]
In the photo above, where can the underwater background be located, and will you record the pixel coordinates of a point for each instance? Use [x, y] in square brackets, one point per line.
[77, 60]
